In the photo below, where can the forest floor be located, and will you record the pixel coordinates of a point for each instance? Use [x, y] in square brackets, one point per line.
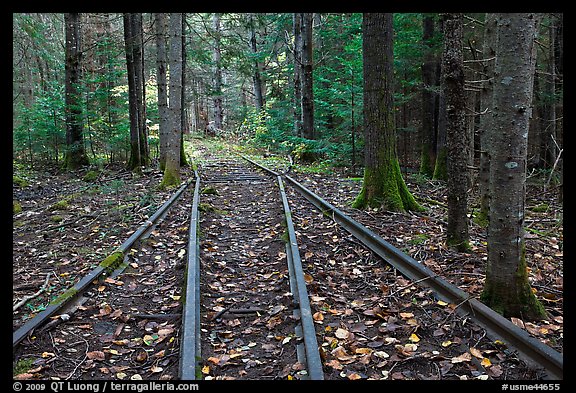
[69, 222]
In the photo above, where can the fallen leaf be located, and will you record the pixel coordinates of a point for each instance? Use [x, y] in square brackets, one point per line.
[342, 333]
[136, 377]
[486, 362]
[476, 353]
[308, 278]
[335, 364]
[96, 355]
[414, 338]
[465, 357]
[156, 369]
[206, 370]
[318, 316]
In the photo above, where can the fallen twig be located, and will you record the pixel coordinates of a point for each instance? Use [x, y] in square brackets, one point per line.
[27, 298]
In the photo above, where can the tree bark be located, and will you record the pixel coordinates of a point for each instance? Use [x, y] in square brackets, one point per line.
[485, 125]
[134, 62]
[172, 170]
[307, 81]
[75, 152]
[383, 184]
[457, 138]
[217, 93]
[429, 81]
[297, 28]
[507, 289]
[161, 55]
[256, 76]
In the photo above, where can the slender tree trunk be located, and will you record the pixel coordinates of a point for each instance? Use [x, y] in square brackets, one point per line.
[489, 55]
[429, 79]
[217, 94]
[75, 151]
[133, 58]
[172, 169]
[256, 77]
[307, 81]
[457, 141]
[141, 88]
[507, 289]
[383, 183]
[161, 55]
[183, 117]
[297, 27]
[440, 171]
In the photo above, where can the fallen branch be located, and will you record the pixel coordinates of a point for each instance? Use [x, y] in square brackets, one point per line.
[27, 298]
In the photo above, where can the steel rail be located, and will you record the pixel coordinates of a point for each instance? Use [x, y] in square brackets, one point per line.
[190, 344]
[300, 293]
[98, 271]
[531, 349]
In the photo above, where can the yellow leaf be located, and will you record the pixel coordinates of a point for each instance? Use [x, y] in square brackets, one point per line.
[414, 338]
[206, 370]
[447, 343]
[486, 362]
[406, 315]
[47, 354]
[364, 351]
[441, 303]
[308, 278]
[318, 316]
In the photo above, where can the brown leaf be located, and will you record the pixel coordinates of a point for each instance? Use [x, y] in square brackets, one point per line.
[96, 355]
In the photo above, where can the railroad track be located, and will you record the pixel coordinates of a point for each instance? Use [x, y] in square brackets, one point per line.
[241, 307]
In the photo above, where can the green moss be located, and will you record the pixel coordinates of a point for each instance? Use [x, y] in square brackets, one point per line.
[209, 190]
[17, 180]
[56, 218]
[426, 165]
[60, 205]
[481, 219]
[91, 176]
[112, 261]
[515, 298]
[541, 208]
[206, 207]
[170, 179]
[22, 366]
[64, 296]
[458, 244]
[385, 187]
[440, 170]
[16, 207]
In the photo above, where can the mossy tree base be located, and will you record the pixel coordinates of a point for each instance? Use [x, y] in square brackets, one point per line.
[512, 298]
[511, 302]
[170, 179]
[384, 187]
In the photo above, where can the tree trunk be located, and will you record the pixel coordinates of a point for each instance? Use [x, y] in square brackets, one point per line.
[429, 81]
[217, 93]
[75, 151]
[297, 27]
[172, 170]
[440, 171]
[507, 289]
[256, 77]
[383, 183]
[183, 118]
[457, 141]
[134, 63]
[307, 81]
[161, 55]
[485, 125]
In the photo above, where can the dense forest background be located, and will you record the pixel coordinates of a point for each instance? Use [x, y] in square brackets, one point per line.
[239, 83]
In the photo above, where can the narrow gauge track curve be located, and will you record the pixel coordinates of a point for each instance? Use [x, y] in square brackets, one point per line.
[254, 324]
[531, 350]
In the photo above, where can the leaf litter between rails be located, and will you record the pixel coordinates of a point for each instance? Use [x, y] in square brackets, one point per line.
[373, 323]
